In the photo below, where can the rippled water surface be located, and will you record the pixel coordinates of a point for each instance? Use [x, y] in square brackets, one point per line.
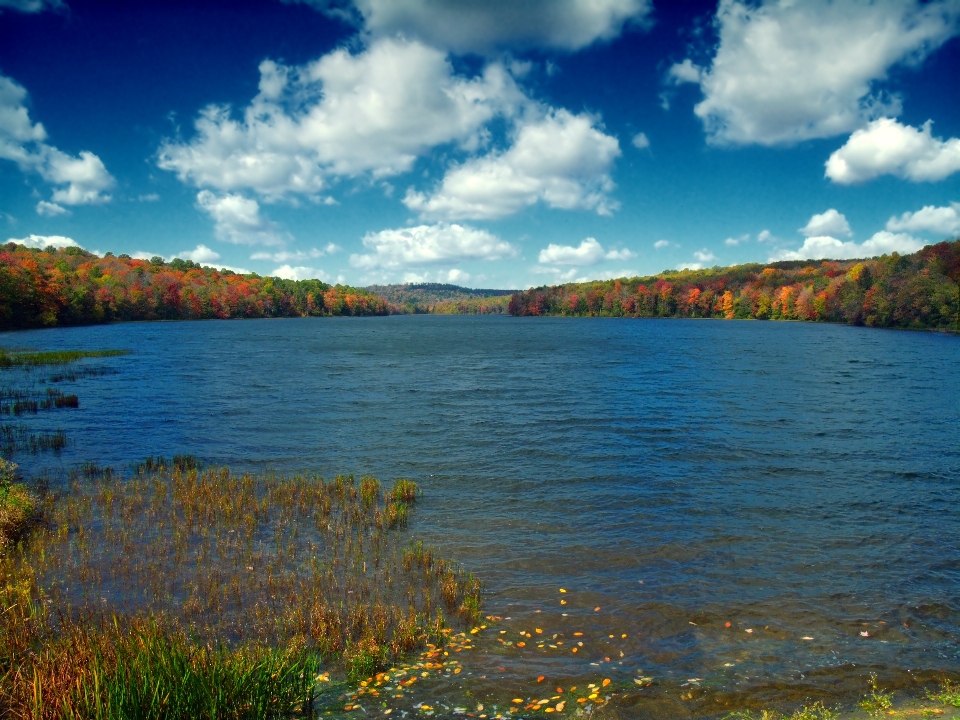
[797, 481]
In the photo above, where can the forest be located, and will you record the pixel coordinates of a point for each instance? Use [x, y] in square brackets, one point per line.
[917, 291]
[48, 288]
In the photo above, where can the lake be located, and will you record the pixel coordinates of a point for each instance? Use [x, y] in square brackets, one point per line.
[762, 509]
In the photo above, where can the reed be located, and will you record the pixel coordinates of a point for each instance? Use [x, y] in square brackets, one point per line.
[223, 592]
[18, 358]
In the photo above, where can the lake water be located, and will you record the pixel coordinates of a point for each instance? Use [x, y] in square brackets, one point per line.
[799, 482]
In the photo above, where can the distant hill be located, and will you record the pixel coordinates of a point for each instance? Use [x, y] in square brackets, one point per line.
[442, 298]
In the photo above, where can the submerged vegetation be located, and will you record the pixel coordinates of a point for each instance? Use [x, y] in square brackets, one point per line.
[230, 590]
[905, 291]
[47, 288]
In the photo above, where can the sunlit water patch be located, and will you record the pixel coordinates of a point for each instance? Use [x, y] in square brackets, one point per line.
[763, 510]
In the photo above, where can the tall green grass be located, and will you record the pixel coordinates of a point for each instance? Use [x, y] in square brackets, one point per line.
[16, 358]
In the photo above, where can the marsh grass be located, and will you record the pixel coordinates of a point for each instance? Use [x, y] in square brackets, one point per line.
[949, 694]
[18, 506]
[241, 573]
[20, 358]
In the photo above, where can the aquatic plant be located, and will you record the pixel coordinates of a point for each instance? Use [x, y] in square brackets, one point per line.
[877, 702]
[9, 359]
[948, 694]
[17, 506]
[142, 576]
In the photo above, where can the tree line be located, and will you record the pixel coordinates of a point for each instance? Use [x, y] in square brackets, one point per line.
[69, 286]
[918, 291]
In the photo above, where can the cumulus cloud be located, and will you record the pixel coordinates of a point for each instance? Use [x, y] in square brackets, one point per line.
[684, 72]
[885, 147]
[82, 180]
[200, 254]
[237, 219]
[734, 241]
[789, 71]
[289, 272]
[827, 247]
[149, 197]
[50, 209]
[589, 252]
[830, 222]
[660, 244]
[704, 256]
[429, 244]
[44, 241]
[480, 27]
[561, 159]
[345, 114]
[286, 256]
[941, 220]
[641, 141]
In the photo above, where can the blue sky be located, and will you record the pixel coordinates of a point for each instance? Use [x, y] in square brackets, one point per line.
[488, 144]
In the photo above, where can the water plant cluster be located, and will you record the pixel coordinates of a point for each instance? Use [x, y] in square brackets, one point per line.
[25, 391]
[246, 584]
[919, 291]
[46, 288]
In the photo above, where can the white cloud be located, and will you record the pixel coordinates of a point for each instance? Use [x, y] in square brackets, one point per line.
[84, 180]
[623, 254]
[201, 254]
[589, 252]
[149, 197]
[830, 248]
[766, 236]
[50, 209]
[660, 244]
[30, 6]
[561, 159]
[345, 114]
[734, 241]
[288, 272]
[941, 220]
[885, 147]
[237, 219]
[789, 71]
[690, 266]
[830, 222]
[641, 141]
[429, 244]
[44, 241]
[465, 27]
[704, 256]
[684, 72]
[286, 256]
[456, 275]
[453, 275]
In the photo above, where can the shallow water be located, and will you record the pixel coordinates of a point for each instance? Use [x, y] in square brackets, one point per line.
[796, 480]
